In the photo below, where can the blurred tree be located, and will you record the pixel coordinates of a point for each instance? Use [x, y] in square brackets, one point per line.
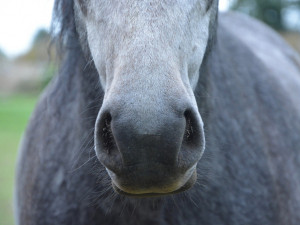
[40, 51]
[272, 12]
[40, 56]
[41, 36]
[2, 55]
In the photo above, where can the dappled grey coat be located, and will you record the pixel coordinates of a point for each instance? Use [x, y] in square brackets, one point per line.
[248, 95]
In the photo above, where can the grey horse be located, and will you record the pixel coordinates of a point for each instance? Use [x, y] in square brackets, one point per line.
[163, 112]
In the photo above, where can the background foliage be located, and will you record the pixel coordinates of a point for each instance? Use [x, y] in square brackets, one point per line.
[275, 13]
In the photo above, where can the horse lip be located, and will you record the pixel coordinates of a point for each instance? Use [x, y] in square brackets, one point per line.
[189, 180]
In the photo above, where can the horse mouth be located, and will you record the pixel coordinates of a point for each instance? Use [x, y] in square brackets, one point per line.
[156, 192]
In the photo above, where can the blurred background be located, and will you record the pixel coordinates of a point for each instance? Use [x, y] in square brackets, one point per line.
[28, 62]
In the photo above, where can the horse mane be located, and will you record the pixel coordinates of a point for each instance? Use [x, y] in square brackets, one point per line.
[63, 28]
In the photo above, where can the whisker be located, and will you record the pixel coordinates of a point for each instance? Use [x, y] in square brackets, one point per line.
[134, 207]
[175, 202]
[83, 147]
[88, 63]
[82, 165]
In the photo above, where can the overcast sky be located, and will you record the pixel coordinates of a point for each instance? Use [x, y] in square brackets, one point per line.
[20, 20]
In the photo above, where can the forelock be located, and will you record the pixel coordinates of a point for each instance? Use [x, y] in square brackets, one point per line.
[63, 24]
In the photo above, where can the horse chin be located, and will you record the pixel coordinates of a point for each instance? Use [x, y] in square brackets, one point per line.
[156, 192]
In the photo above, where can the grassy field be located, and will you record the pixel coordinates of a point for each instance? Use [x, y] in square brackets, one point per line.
[14, 114]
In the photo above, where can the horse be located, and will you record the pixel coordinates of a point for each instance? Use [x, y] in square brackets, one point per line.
[163, 112]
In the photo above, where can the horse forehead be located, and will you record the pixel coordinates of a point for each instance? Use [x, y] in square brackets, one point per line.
[167, 20]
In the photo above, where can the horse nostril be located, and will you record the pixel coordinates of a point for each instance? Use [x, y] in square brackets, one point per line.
[105, 134]
[191, 134]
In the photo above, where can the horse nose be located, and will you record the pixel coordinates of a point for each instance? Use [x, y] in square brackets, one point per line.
[126, 138]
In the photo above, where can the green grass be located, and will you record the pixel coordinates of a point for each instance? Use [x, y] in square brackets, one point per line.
[14, 114]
